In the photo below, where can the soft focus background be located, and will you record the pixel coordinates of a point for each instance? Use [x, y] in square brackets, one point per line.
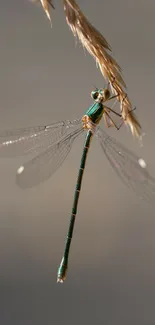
[45, 77]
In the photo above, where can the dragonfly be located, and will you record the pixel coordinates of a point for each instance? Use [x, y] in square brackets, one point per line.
[52, 144]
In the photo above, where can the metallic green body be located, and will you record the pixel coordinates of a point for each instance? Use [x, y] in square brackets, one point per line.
[95, 112]
[64, 263]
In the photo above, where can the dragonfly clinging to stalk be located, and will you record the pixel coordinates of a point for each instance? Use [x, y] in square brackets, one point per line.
[99, 48]
[52, 143]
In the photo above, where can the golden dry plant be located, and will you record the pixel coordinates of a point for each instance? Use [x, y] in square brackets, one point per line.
[46, 7]
[99, 48]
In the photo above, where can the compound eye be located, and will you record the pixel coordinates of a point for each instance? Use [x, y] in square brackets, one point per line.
[94, 94]
[106, 94]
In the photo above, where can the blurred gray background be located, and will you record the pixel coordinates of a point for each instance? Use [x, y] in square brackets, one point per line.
[45, 77]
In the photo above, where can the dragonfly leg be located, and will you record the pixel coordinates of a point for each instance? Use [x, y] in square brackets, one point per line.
[129, 113]
[111, 110]
[123, 120]
[114, 96]
[112, 123]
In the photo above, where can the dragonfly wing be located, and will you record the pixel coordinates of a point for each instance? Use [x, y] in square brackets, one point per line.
[33, 139]
[129, 167]
[46, 163]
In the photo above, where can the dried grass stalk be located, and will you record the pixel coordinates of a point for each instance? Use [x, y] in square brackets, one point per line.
[99, 48]
[46, 7]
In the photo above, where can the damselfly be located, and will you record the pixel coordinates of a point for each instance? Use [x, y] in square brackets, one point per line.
[53, 142]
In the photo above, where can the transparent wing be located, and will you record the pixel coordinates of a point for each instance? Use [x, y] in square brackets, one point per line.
[130, 168]
[33, 139]
[46, 163]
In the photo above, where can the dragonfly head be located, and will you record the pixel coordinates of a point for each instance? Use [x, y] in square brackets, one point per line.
[100, 95]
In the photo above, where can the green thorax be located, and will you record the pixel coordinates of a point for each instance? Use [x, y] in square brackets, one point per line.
[95, 112]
